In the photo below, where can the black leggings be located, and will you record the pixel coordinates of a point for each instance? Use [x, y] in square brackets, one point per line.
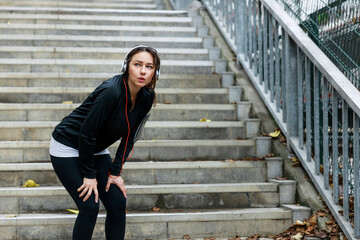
[68, 171]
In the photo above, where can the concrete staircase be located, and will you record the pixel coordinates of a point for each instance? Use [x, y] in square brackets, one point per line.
[194, 172]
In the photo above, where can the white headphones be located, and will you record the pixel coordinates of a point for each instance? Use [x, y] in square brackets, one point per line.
[125, 62]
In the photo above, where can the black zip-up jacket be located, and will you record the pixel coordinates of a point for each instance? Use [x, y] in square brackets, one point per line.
[100, 121]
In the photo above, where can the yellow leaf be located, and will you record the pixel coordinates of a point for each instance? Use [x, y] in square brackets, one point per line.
[67, 102]
[205, 120]
[73, 211]
[30, 183]
[275, 134]
[67, 71]
[9, 22]
[10, 216]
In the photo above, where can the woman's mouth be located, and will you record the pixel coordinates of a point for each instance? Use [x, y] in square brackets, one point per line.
[141, 79]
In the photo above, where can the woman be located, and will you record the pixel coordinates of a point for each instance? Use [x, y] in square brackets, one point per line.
[118, 108]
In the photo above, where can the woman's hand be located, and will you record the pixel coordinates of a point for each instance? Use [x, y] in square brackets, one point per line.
[118, 181]
[88, 186]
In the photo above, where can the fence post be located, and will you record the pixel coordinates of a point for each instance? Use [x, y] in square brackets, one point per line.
[291, 88]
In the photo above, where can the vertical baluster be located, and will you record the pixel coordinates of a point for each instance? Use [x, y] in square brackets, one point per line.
[250, 34]
[335, 143]
[345, 158]
[239, 27]
[325, 133]
[271, 59]
[300, 57]
[308, 109]
[317, 120]
[232, 18]
[246, 29]
[227, 19]
[277, 67]
[256, 68]
[260, 44]
[265, 50]
[356, 177]
[283, 73]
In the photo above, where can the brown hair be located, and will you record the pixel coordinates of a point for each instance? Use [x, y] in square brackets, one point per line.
[142, 48]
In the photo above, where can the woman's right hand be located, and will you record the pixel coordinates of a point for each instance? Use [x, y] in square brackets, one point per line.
[88, 186]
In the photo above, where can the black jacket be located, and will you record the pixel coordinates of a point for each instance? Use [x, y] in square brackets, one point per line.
[100, 121]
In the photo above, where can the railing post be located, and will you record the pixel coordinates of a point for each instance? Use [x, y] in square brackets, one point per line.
[291, 88]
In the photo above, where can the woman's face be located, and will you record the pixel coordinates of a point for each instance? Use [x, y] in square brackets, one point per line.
[141, 70]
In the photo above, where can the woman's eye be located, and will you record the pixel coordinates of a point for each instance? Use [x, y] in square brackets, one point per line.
[137, 64]
[151, 67]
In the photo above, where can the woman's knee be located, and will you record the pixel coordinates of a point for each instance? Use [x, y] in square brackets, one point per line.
[89, 207]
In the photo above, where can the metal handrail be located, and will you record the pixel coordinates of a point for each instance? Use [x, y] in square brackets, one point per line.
[315, 105]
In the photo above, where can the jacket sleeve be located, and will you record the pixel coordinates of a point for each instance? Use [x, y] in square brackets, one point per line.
[103, 105]
[117, 165]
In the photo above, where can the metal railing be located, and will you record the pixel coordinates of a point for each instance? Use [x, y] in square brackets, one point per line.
[315, 105]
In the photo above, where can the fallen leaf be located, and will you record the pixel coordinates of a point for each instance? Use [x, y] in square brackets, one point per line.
[67, 71]
[297, 236]
[67, 102]
[210, 238]
[205, 120]
[72, 211]
[294, 159]
[313, 220]
[321, 214]
[156, 209]
[30, 183]
[195, 182]
[186, 237]
[11, 216]
[9, 22]
[229, 160]
[167, 102]
[275, 134]
[298, 222]
[281, 178]
[321, 234]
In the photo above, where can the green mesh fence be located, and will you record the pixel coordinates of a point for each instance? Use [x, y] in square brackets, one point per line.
[334, 25]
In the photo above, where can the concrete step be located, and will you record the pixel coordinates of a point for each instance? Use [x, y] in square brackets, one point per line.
[23, 79]
[100, 66]
[150, 150]
[81, 4]
[97, 30]
[93, 11]
[17, 200]
[96, 19]
[218, 223]
[157, 130]
[167, 112]
[78, 95]
[143, 173]
[99, 41]
[103, 53]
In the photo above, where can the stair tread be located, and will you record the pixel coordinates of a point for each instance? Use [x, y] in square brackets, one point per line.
[193, 215]
[149, 124]
[99, 49]
[159, 106]
[35, 75]
[41, 166]
[92, 10]
[90, 89]
[149, 189]
[68, 17]
[143, 143]
[95, 27]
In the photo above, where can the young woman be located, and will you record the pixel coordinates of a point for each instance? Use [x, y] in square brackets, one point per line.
[118, 108]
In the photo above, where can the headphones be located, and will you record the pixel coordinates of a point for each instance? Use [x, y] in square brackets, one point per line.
[125, 63]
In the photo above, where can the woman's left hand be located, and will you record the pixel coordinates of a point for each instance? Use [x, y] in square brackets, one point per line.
[118, 181]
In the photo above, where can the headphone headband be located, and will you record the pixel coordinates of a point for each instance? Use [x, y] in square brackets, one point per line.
[125, 62]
